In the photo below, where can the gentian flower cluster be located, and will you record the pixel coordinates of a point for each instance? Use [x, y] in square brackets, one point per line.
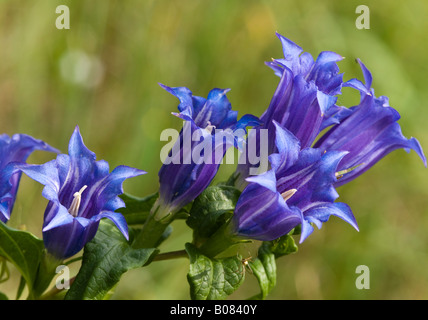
[304, 101]
[299, 189]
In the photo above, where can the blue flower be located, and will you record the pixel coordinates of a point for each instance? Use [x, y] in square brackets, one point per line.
[297, 190]
[193, 167]
[14, 150]
[81, 191]
[368, 132]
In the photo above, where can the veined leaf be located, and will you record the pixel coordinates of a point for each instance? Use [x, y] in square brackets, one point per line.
[264, 269]
[210, 209]
[105, 259]
[213, 279]
[264, 266]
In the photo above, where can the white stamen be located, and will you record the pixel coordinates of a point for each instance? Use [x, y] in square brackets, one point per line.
[75, 205]
[288, 194]
[209, 127]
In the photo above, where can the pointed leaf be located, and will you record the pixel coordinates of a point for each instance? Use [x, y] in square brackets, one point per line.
[264, 269]
[210, 208]
[264, 266]
[105, 259]
[213, 279]
[282, 246]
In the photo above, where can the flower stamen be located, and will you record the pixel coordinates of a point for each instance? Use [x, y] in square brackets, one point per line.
[288, 194]
[339, 174]
[209, 127]
[75, 205]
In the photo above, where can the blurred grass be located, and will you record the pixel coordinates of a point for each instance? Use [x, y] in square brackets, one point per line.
[127, 47]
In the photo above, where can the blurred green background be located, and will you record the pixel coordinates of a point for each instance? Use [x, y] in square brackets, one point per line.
[102, 74]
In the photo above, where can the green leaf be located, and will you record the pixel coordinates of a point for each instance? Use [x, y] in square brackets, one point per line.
[264, 269]
[264, 266]
[213, 279]
[23, 250]
[211, 209]
[136, 210]
[282, 246]
[105, 259]
[3, 296]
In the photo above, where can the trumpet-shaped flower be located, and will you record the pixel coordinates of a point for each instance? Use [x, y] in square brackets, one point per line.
[369, 132]
[297, 190]
[193, 167]
[81, 191]
[14, 150]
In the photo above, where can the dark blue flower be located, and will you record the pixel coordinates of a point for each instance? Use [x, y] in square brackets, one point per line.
[192, 167]
[368, 132]
[80, 191]
[297, 190]
[13, 150]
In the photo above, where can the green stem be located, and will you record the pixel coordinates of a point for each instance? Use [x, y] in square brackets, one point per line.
[220, 241]
[151, 233]
[45, 274]
[171, 255]
[54, 292]
[73, 260]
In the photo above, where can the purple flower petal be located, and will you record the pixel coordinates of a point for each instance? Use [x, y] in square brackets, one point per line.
[262, 214]
[319, 214]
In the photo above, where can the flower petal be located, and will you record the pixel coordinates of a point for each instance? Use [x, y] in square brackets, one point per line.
[319, 214]
[262, 214]
[117, 218]
[14, 151]
[102, 194]
[76, 147]
[267, 180]
[68, 239]
[288, 149]
[47, 175]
